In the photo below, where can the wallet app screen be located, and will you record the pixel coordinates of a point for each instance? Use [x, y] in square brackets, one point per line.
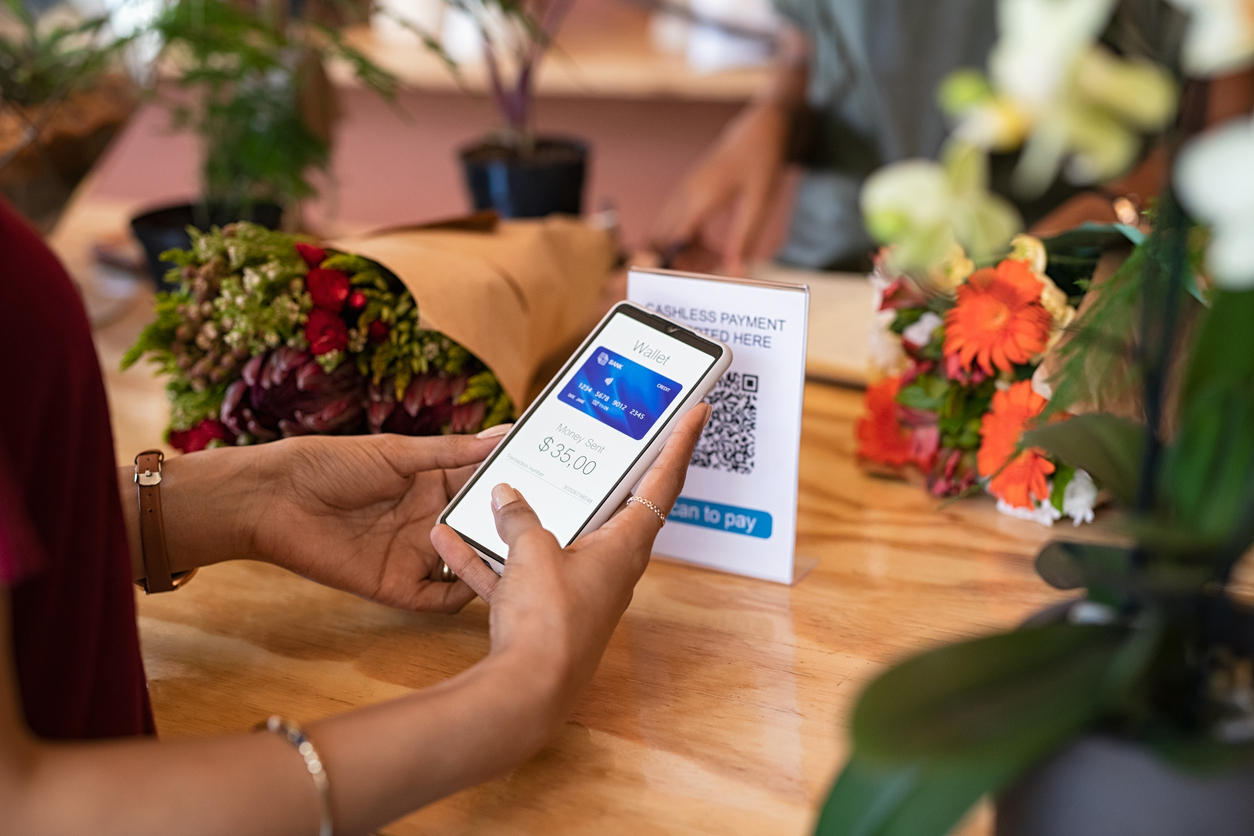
[592, 426]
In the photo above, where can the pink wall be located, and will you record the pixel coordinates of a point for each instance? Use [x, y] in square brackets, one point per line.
[392, 167]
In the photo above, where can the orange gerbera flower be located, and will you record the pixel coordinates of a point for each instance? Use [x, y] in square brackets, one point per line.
[881, 437]
[1003, 425]
[998, 320]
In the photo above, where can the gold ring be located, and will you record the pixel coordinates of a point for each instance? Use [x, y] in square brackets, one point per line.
[647, 504]
[447, 575]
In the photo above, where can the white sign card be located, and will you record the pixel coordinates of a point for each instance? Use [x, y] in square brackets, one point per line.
[738, 511]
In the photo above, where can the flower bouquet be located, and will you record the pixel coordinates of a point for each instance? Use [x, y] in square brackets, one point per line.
[956, 356]
[271, 336]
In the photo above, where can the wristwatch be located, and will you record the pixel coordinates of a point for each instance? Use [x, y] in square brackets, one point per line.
[157, 574]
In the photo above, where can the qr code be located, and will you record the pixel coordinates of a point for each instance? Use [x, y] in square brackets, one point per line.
[728, 441]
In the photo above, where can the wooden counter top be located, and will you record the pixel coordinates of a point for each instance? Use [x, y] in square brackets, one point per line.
[721, 704]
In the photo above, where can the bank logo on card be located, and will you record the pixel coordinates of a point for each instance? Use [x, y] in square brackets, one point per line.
[620, 393]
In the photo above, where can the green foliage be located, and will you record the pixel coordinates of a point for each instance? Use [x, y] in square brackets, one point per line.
[256, 82]
[38, 66]
[1094, 364]
[1207, 477]
[943, 728]
[1073, 255]
[1106, 446]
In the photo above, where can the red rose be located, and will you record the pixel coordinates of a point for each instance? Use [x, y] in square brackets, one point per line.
[313, 256]
[200, 436]
[329, 288]
[326, 332]
[357, 300]
[378, 331]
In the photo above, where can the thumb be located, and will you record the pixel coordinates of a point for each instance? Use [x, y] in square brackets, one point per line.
[514, 517]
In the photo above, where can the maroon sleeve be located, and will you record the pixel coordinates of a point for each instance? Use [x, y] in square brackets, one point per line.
[20, 554]
[63, 546]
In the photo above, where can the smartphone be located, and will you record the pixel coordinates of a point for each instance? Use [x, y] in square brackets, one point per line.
[583, 444]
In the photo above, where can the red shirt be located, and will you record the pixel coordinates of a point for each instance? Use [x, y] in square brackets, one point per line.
[63, 548]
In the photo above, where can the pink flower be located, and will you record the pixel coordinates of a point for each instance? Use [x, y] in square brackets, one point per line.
[313, 256]
[357, 300]
[329, 288]
[326, 332]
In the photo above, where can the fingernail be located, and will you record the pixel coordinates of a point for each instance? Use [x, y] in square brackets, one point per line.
[503, 495]
[709, 410]
[493, 432]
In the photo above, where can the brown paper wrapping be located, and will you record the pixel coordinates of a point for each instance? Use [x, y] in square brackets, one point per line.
[519, 297]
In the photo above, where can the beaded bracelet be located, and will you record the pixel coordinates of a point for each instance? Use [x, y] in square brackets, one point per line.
[293, 735]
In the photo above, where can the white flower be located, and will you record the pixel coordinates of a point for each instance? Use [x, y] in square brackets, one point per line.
[251, 279]
[1220, 38]
[884, 352]
[1079, 498]
[1041, 384]
[1044, 513]
[925, 207]
[1215, 180]
[1038, 43]
[1073, 100]
[920, 333]
[1031, 249]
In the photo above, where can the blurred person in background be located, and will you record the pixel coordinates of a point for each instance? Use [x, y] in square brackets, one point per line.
[853, 88]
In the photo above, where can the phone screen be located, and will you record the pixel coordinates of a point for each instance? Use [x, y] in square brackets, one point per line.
[588, 428]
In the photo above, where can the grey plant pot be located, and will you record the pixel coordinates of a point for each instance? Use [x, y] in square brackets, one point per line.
[1103, 786]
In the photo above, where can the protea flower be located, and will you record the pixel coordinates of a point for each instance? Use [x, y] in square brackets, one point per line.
[285, 392]
[430, 406]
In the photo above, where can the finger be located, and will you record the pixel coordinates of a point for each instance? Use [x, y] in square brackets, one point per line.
[664, 480]
[464, 562]
[455, 480]
[412, 454]
[514, 517]
[686, 212]
[438, 596]
[746, 223]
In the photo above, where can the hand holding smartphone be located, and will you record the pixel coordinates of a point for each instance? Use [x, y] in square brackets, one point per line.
[584, 443]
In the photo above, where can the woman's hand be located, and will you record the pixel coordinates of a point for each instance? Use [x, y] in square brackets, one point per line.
[356, 513]
[353, 512]
[559, 606]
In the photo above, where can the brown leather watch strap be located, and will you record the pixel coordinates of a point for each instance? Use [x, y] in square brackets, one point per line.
[157, 575]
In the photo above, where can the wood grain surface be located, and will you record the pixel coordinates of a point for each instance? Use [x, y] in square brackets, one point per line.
[721, 704]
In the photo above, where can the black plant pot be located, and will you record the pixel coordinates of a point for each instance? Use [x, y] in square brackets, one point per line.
[165, 228]
[548, 180]
[1103, 786]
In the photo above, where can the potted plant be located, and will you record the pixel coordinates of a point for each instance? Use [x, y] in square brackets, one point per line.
[515, 171]
[1131, 709]
[256, 92]
[62, 99]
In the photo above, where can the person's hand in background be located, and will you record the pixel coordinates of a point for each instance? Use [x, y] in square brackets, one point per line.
[739, 174]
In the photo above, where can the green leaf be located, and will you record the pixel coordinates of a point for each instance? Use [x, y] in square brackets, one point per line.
[928, 393]
[876, 799]
[1065, 565]
[1224, 349]
[1063, 475]
[938, 731]
[1106, 446]
[1017, 691]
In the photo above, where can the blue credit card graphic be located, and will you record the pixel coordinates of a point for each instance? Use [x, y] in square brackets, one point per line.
[620, 393]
